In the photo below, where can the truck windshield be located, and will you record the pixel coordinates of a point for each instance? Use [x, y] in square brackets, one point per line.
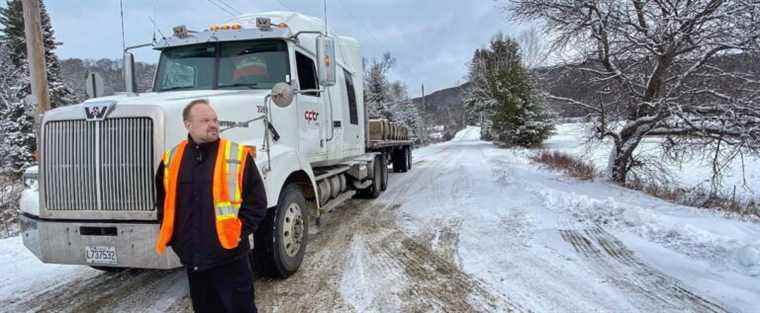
[255, 64]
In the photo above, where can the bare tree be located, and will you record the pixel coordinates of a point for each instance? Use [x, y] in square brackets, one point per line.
[656, 68]
[534, 48]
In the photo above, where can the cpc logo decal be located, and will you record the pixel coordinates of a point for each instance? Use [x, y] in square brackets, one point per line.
[311, 115]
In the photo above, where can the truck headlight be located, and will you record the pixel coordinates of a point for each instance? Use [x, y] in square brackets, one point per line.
[29, 202]
[30, 178]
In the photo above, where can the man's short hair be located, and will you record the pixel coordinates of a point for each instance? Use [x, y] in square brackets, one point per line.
[189, 107]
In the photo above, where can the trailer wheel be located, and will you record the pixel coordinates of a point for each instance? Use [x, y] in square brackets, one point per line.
[280, 241]
[400, 160]
[373, 191]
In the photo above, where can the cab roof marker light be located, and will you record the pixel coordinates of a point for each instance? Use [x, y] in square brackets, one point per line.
[264, 23]
[181, 31]
[220, 27]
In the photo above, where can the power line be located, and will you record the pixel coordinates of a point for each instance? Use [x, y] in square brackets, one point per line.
[285, 6]
[225, 7]
[226, 4]
[220, 7]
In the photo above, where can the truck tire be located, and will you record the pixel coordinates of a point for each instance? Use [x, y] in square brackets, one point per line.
[280, 241]
[400, 160]
[373, 191]
[408, 158]
[384, 162]
[395, 158]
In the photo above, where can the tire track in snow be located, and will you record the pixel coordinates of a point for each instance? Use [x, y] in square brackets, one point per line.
[97, 294]
[615, 248]
[336, 249]
[436, 283]
[619, 264]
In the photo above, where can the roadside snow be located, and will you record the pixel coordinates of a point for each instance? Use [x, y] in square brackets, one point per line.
[743, 175]
[749, 256]
[24, 276]
[724, 243]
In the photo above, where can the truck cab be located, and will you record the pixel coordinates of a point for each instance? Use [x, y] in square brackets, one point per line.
[280, 83]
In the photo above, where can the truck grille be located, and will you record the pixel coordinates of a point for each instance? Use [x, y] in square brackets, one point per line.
[105, 166]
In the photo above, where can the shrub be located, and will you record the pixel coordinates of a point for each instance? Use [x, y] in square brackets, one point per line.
[566, 163]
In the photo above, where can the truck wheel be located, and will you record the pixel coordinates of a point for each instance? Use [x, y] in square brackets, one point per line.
[280, 241]
[373, 191]
[408, 158]
[384, 185]
[400, 160]
[396, 160]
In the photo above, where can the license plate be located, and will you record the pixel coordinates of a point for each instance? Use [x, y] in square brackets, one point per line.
[100, 255]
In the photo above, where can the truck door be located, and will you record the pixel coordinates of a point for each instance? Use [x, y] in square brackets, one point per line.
[311, 111]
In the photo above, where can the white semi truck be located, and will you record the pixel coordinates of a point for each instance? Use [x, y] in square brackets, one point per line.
[279, 82]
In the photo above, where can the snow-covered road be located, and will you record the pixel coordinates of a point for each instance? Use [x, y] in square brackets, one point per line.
[471, 228]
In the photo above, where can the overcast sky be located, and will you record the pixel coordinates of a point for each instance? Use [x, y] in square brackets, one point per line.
[431, 39]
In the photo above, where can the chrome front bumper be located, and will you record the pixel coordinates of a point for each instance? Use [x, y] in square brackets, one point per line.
[62, 242]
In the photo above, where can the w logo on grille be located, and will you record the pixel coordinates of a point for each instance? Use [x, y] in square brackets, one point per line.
[97, 110]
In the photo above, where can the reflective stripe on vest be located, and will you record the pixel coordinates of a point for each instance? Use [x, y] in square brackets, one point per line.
[226, 187]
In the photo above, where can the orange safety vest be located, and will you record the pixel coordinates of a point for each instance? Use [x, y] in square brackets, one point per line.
[226, 192]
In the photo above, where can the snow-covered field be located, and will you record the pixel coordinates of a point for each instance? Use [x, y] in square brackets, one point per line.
[741, 176]
[471, 228]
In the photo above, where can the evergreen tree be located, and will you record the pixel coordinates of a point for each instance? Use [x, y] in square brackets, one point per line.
[12, 34]
[477, 99]
[377, 87]
[503, 93]
[17, 141]
[390, 99]
[406, 114]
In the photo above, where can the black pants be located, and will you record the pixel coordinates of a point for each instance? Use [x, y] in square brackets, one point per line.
[225, 288]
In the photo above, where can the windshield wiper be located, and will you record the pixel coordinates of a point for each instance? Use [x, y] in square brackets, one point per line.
[249, 85]
[176, 88]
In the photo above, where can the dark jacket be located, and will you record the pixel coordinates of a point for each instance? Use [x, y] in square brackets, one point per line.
[195, 239]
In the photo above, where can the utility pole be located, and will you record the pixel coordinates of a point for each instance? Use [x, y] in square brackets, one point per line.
[35, 55]
[423, 95]
[424, 109]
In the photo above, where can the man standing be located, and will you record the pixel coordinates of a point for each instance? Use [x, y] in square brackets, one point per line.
[210, 198]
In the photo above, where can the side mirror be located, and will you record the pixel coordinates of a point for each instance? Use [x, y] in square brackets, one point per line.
[129, 72]
[94, 85]
[282, 95]
[326, 61]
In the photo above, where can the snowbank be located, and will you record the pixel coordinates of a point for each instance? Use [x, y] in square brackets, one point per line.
[724, 243]
[749, 257]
